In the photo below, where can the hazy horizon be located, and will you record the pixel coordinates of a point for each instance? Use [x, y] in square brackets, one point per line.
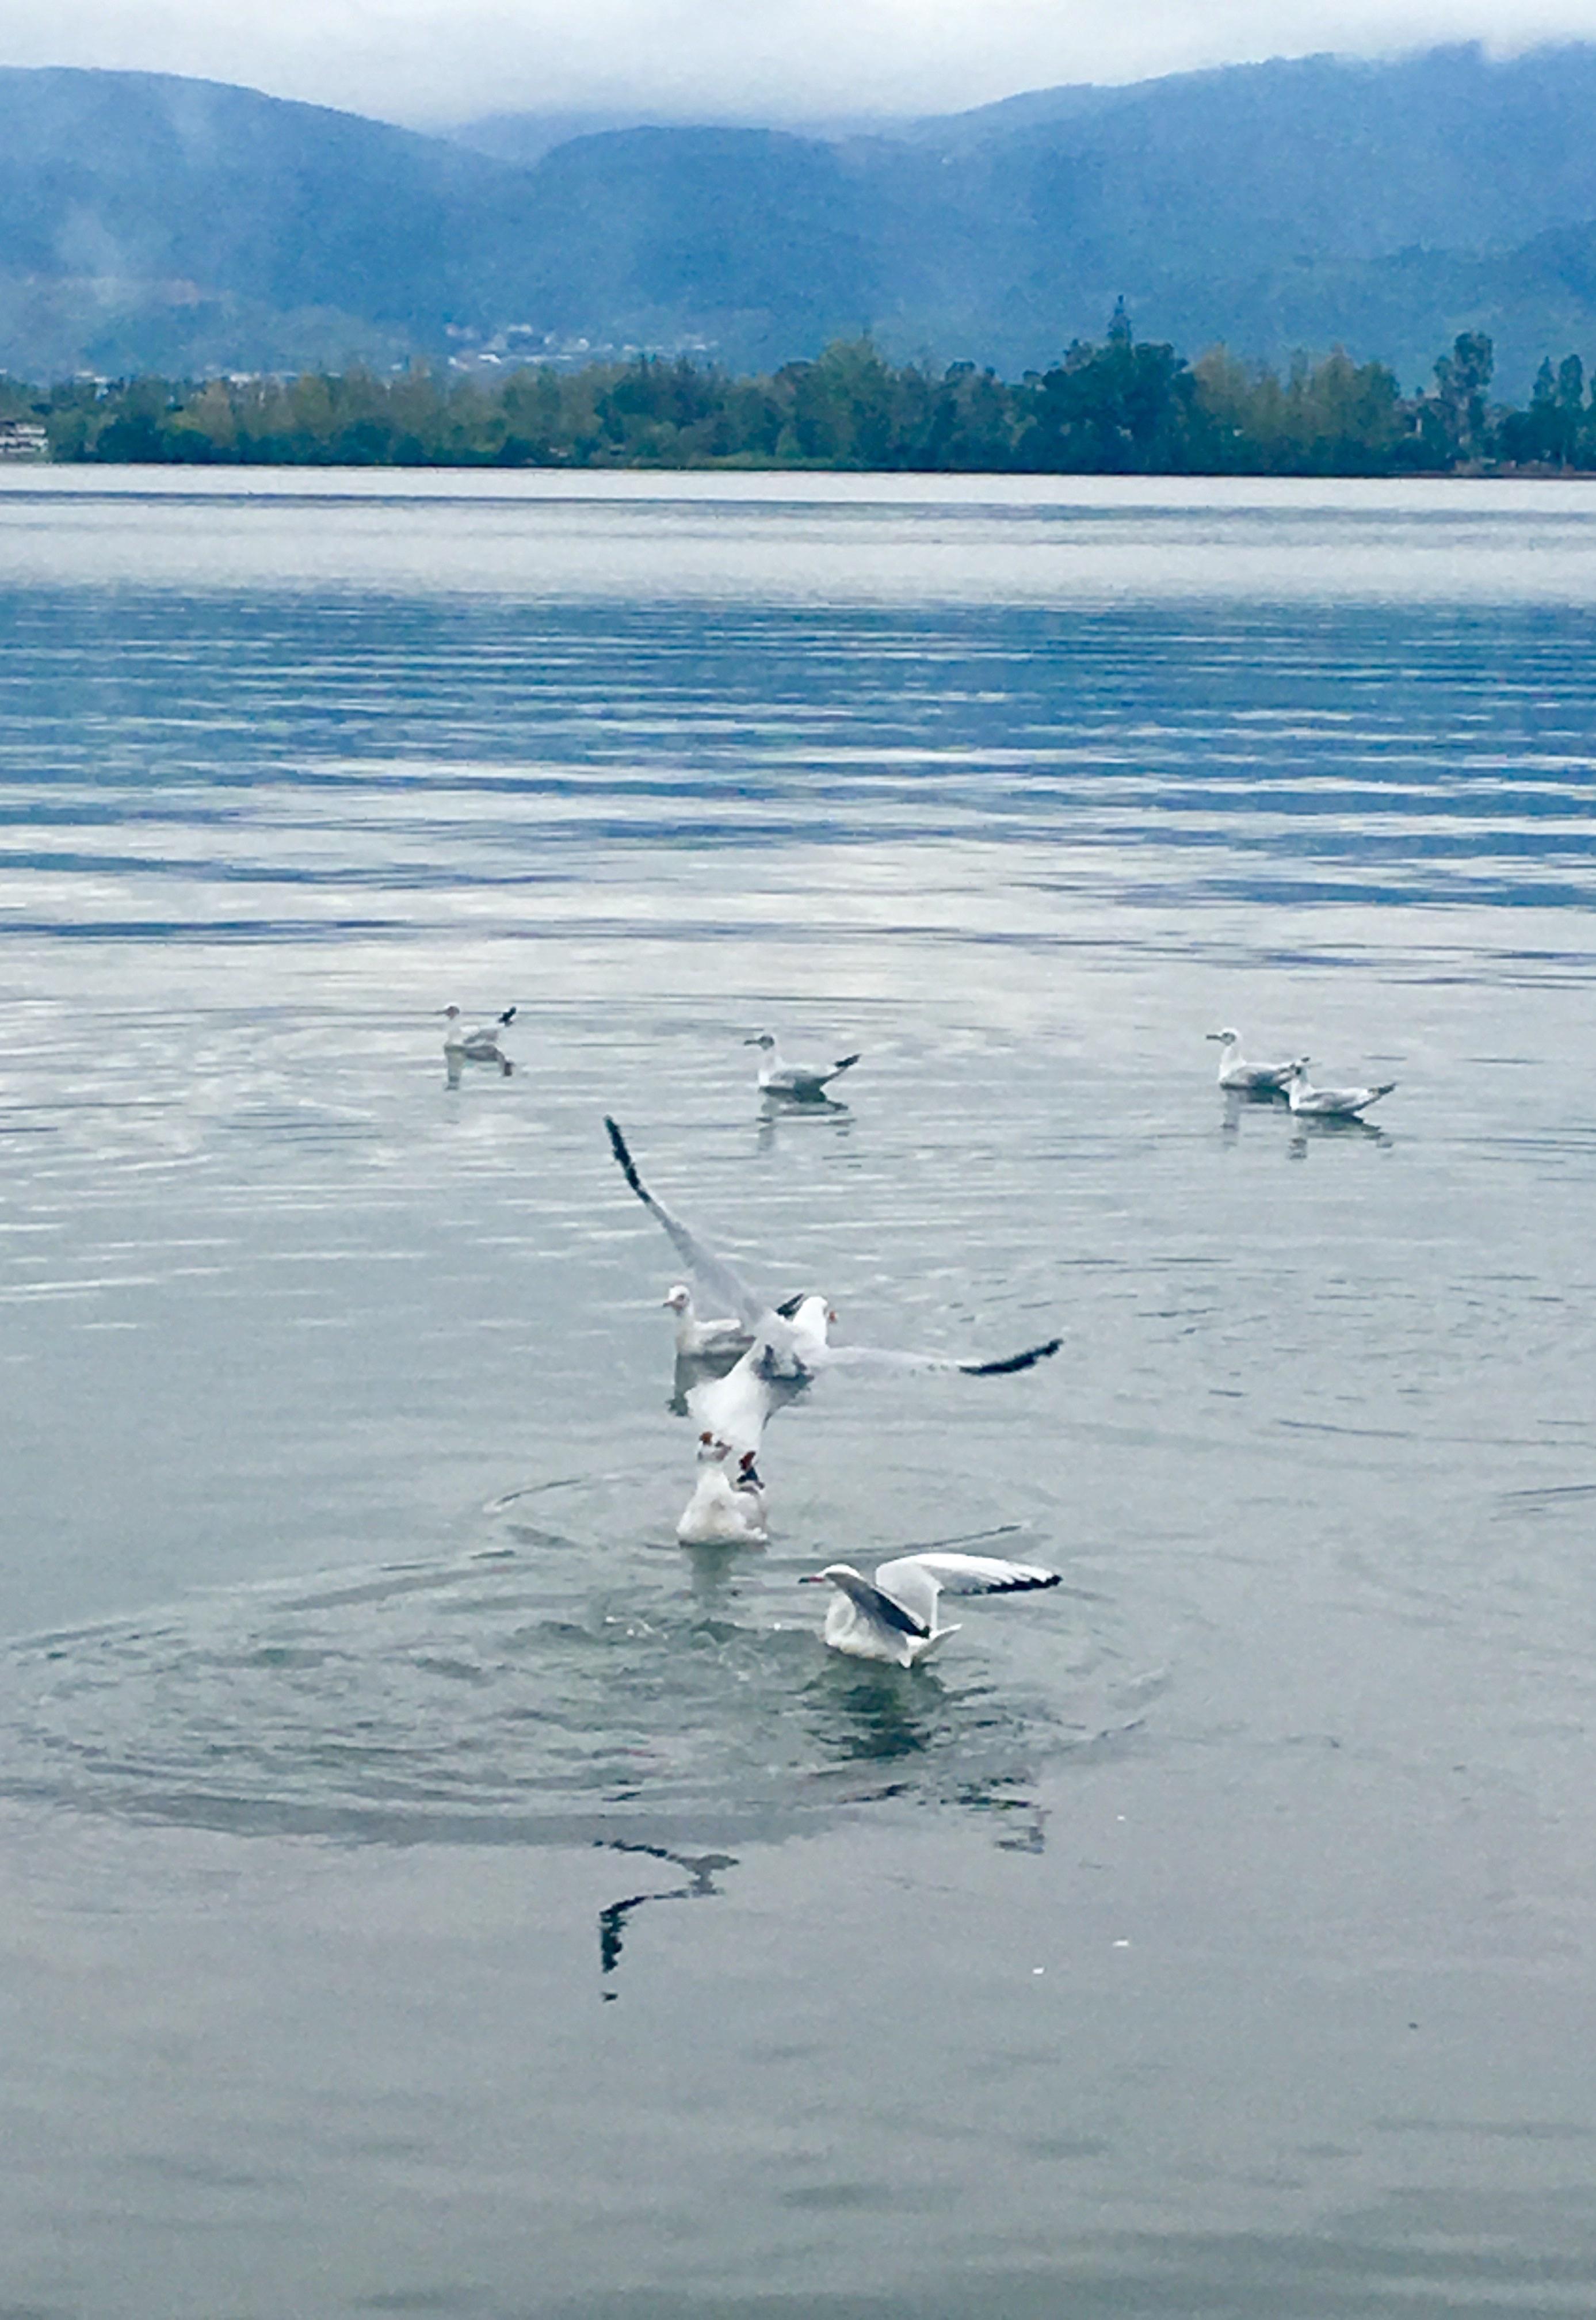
[798, 63]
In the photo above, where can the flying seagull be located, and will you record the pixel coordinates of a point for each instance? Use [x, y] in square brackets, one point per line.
[1240, 1078]
[1331, 1103]
[894, 1618]
[480, 1046]
[777, 1078]
[789, 1342]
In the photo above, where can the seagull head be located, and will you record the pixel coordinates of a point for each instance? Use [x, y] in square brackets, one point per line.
[761, 1039]
[1299, 1070]
[678, 1299]
[452, 1012]
[1226, 1038]
[810, 1315]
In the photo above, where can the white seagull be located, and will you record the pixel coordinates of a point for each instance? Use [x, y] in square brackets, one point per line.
[1332, 1103]
[789, 1342]
[697, 1340]
[896, 1619]
[737, 1404]
[726, 1510]
[1240, 1078]
[480, 1046]
[777, 1078]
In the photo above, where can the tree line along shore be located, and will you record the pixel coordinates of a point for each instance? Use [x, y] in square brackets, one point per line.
[1117, 407]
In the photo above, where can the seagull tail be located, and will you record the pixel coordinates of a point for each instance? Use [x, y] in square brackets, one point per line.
[1025, 1361]
[918, 1651]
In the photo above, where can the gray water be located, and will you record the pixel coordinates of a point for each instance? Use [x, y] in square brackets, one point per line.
[428, 1888]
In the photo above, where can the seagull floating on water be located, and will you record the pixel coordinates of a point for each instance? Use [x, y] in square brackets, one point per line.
[1241, 1078]
[894, 1619]
[1331, 1103]
[789, 1344]
[699, 1340]
[793, 1080]
[726, 1508]
[480, 1046]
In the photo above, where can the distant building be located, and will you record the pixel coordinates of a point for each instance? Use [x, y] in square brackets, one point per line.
[23, 439]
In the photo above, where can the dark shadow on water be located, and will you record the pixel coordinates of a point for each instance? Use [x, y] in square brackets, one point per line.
[700, 1871]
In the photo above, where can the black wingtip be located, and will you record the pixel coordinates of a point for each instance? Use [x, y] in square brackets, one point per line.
[627, 1167]
[1025, 1361]
[845, 1063]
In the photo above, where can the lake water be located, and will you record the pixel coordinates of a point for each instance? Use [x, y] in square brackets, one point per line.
[428, 1888]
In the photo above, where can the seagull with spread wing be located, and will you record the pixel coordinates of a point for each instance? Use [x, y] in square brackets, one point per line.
[790, 1346]
[894, 1618]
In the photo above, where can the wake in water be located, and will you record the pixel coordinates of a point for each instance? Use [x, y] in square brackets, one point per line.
[506, 1696]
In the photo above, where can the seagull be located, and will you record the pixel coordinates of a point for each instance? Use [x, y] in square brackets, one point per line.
[480, 1046]
[699, 1340]
[777, 1078]
[737, 1404]
[894, 1619]
[725, 1509]
[1241, 1078]
[1331, 1103]
[789, 1344]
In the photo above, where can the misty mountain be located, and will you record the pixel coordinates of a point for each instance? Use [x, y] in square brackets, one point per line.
[147, 221]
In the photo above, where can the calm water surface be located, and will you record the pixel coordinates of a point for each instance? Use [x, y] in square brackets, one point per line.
[429, 1889]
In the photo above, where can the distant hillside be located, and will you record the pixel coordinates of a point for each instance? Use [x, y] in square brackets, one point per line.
[149, 222]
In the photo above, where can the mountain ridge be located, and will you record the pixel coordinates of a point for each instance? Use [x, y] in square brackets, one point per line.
[153, 223]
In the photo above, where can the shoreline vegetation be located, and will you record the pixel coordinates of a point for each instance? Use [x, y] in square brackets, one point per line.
[1120, 407]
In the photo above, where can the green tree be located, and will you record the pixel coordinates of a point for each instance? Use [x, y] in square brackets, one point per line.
[1118, 409]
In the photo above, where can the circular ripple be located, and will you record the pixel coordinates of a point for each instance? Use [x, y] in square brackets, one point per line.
[538, 1688]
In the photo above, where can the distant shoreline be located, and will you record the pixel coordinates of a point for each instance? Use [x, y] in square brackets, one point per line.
[1121, 407]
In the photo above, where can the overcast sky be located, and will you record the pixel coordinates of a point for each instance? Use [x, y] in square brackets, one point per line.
[433, 61]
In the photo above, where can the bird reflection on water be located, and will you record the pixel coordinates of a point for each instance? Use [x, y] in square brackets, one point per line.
[879, 1718]
[776, 1113]
[1306, 1130]
[455, 1066]
[700, 1871]
[1303, 1127]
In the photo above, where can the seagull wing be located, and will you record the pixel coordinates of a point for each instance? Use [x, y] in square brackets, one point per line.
[883, 1357]
[877, 1604]
[714, 1274]
[915, 1581]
